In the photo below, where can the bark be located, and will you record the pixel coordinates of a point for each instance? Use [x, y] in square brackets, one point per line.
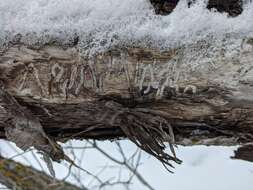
[232, 7]
[145, 95]
[244, 153]
[17, 176]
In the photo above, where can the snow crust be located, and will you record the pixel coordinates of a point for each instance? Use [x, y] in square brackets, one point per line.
[103, 24]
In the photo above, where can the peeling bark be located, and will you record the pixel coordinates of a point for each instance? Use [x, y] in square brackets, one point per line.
[17, 176]
[25, 129]
[148, 96]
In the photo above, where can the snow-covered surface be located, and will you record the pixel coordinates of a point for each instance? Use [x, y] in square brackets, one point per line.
[204, 168]
[102, 24]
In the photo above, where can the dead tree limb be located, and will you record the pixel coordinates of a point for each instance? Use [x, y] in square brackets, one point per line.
[17, 176]
[148, 96]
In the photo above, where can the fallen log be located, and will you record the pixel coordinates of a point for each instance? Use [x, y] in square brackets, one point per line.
[146, 95]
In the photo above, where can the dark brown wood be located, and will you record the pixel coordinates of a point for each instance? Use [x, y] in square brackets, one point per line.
[244, 153]
[232, 7]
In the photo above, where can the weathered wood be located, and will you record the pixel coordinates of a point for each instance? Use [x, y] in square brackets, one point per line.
[17, 176]
[138, 93]
[25, 129]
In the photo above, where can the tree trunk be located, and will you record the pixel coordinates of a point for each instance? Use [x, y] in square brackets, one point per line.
[145, 95]
[17, 176]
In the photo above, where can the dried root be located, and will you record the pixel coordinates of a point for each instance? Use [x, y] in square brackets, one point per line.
[148, 133]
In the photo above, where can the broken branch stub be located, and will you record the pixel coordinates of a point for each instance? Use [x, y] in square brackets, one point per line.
[24, 129]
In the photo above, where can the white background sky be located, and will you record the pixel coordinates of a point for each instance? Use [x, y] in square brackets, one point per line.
[203, 168]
